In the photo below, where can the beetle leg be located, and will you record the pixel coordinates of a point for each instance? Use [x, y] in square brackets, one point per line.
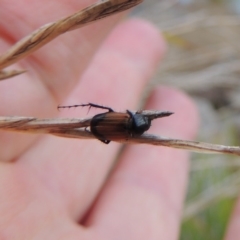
[130, 113]
[89, 105]
[97, 106]
[105, 141]
[102, 140]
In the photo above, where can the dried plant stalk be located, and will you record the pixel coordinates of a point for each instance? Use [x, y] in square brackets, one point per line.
[48, 32]
[35, 125]
[194, 146]
[75, 128]
[10, 73]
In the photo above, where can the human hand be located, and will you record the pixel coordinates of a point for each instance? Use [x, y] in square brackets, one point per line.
[56, 188]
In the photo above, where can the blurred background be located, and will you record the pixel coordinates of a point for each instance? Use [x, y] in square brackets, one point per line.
[203, 59]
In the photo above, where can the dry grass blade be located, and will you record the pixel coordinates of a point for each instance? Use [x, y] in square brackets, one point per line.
[48, 32]
[35, 125]
[193, 146]
[75, 128]
[10, 73]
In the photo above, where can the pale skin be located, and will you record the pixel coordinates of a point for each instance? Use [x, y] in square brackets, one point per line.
[56, 188]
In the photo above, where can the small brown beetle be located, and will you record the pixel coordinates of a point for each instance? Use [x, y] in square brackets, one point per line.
[112, 125]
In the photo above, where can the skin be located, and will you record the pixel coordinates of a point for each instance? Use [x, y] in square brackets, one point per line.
[57, 188]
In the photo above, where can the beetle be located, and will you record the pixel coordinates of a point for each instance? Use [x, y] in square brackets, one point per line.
[113, 125]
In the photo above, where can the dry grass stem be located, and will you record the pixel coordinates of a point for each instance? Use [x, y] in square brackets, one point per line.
[194, 146]
[35, 125]
[75, 128]
[48, 32]
[10, 73]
